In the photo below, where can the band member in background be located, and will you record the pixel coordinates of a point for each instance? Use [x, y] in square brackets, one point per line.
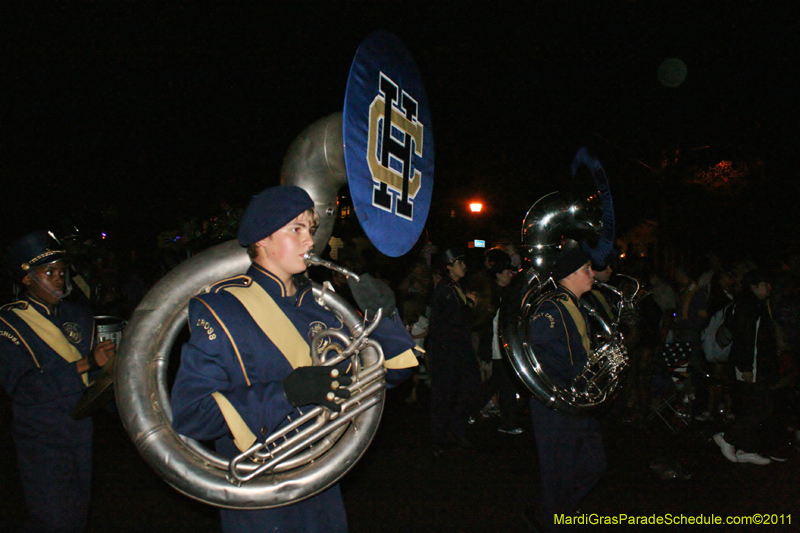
[47, 350]
[455, 377]
[246, 367]
[571, 453]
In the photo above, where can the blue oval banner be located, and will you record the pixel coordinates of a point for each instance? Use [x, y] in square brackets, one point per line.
[388, 144]
[602, 251]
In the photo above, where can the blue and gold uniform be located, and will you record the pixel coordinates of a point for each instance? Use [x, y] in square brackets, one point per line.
[247, 336]
[571, 453]
[454, 370]
[600, 303]
[38, 354]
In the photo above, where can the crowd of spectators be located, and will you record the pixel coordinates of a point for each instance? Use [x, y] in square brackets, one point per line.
[674, 305]
[747, 393]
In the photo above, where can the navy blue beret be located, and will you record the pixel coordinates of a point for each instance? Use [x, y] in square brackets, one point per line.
[32, 250]
[568, 261]
[270, 210]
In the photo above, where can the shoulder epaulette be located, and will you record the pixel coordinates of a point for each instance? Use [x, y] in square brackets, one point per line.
[19, 304]
[237, 281]
[554, 297]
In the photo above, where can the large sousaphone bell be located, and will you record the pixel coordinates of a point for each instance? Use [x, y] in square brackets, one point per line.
[552, 223]
[316, 449]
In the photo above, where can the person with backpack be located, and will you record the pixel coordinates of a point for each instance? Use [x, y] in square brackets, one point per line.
[753, 437]
[716, 342]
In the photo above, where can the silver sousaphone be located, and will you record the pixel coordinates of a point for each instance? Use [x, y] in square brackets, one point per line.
[553, 222]
[312, 452]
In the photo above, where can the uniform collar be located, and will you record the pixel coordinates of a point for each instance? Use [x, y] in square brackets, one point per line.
[568, 292]
[273, 285]
[40, 306]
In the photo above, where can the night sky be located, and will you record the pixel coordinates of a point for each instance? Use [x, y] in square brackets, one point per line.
[134, 115]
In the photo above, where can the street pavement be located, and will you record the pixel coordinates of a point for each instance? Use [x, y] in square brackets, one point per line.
[400, 486]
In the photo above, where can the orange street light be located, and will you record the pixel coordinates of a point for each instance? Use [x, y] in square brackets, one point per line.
[475, 207]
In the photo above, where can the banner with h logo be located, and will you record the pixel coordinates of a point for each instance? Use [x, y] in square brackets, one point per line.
[388, 142]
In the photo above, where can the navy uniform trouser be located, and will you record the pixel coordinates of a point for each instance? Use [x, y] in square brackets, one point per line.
[572, 460]
[56, 476]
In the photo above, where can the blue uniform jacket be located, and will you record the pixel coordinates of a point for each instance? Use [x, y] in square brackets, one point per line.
[53, 449]
[451, 317]
[39, 381]
[230, 355]
[558, 333]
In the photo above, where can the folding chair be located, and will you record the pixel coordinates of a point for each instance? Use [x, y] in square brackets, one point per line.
[672, 389]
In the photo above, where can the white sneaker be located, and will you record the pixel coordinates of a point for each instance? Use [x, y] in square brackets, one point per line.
[727, 449]
[746, 457]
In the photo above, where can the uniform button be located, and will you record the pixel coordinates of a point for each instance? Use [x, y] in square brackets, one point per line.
[264, 430]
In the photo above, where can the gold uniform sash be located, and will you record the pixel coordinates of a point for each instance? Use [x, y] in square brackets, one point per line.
[280, 330]
[602, 299]
[52, 336]
[580, 322]
[274, 323]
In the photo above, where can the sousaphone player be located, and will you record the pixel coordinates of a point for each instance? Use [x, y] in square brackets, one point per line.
[247, 367]
[571, 453]
[257, 333]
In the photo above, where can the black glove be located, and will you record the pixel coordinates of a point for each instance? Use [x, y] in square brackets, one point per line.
[372, 294]
[319, 385]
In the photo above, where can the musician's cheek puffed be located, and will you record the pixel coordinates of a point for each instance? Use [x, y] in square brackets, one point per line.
[232, 372]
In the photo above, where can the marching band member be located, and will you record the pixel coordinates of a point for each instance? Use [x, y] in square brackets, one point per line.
[247, 367]
[455, 377]
[47, 348]
[571, 453]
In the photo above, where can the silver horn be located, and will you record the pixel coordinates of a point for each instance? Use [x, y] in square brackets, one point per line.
[549, 224]
[311, 452]
[315, 162]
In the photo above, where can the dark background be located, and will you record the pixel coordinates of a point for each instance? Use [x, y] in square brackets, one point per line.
[398, 485]
[129, 117]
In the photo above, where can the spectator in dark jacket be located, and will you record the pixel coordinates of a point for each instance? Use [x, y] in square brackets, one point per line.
[754, 354]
